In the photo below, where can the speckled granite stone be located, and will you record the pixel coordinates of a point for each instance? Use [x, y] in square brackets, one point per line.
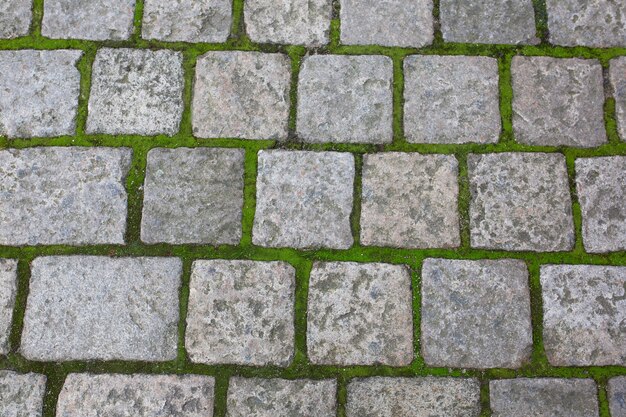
[21, 395]
[617, 77]
[8, 291]
[15, 17]
[617, 396]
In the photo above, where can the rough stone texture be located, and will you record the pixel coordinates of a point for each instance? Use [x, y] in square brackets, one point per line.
[136, 395]
[595, 23]
[21, 395]
[345, 99]
[301, 22]
[241, 95]
[523, 397]
[360, 314]
[187, 20]
[488, 21]
[410, 201]
[617, 76]
[451, 99]
[387, 23]
[520, 202]
[8, 291]
[100, 308]
[193, 196]
[63, 195]
[558, 101]
[241, 312]
[255, 397]
[15, 17]
[136, 91]
[96, 20]
[584, 311]
[475, 314]
[617, 396]
[415, 397]
[39, 92]
[304, 199]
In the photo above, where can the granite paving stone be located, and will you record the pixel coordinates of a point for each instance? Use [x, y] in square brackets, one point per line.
[617, 396]
[617, 77]
[8, 292]
[21, 395]
[15, 17]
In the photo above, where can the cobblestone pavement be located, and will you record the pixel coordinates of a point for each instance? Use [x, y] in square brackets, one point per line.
[311, 208]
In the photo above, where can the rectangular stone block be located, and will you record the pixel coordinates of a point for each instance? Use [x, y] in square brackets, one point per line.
[8, 292]
[617, 396]
[21, 395]
[15, 17]
[617, 78]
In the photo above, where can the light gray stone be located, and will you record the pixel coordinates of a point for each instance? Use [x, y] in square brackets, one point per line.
[345, 98]
[241, 95]
[63, 195]
[100, 308]
[136, 91]
[415, 397]
[520, 202]
[617, 77]
[193, 196]
[15, 17]
[255, 397]
[451, 99]
[304, 199]
[584, 311]
[410, 201]
[21, 395]
[523, 397]
[8, 292]
[241, 312]
[136, 395]
[39, 92]
[96, 20]
[187, 20]
[558, 102]
[617, 396]
[360, 314]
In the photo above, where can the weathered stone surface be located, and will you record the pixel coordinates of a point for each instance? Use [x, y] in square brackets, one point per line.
[387, 23]
[451, 99]
[558, 101]
[100, 308]
[410, 200]
[360, 314]
[96, 20]
[617, 76]
[15, 16]
[255, 397]
[523, 397]
[136, 395]
[136, 91]
[193, 196]
[21, 395]
[39, 92]
[595, 23]
[241, 95]
[304, 199]
[345, 99]
[8, 291]
[475, 314]
[301, 22]
[520, 202]
[419, 397]
[617, 396]
[584, 311]
[187, 20]
[241, 312]
[63, 195]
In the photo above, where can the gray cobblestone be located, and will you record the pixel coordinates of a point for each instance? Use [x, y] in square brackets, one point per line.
[21, 395]
[617, 396]
[8, 291]
[617, 77]
[15, 16]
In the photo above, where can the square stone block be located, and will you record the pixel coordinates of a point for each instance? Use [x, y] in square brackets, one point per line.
[8, 292]
[15, 18]
[617, 77]
[241, 312]
[617, 396]
[520, 202]
[345, 98]
[360, 314]
[21, 395]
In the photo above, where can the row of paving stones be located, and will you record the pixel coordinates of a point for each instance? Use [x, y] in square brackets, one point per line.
[340, 98]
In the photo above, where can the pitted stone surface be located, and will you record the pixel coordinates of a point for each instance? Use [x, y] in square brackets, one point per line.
[617, 396]
[8, 291]
[410, 201]
[96, 20]
[584, 311]
[617, 76]
[451, 99]
[475, 314]
[100, 308]
[304, 199]
[39, 92]
[193, 196]
[360, 314]
[558, 101]
[241, 95]
[63, 195]
[255, 397]
[21, 395]
[139, 395]
[136, 91]
[15, 16]
[419, 397]
[520, 202]
[241, 312]
[345, 99]
[523, 397]
[187, 20]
